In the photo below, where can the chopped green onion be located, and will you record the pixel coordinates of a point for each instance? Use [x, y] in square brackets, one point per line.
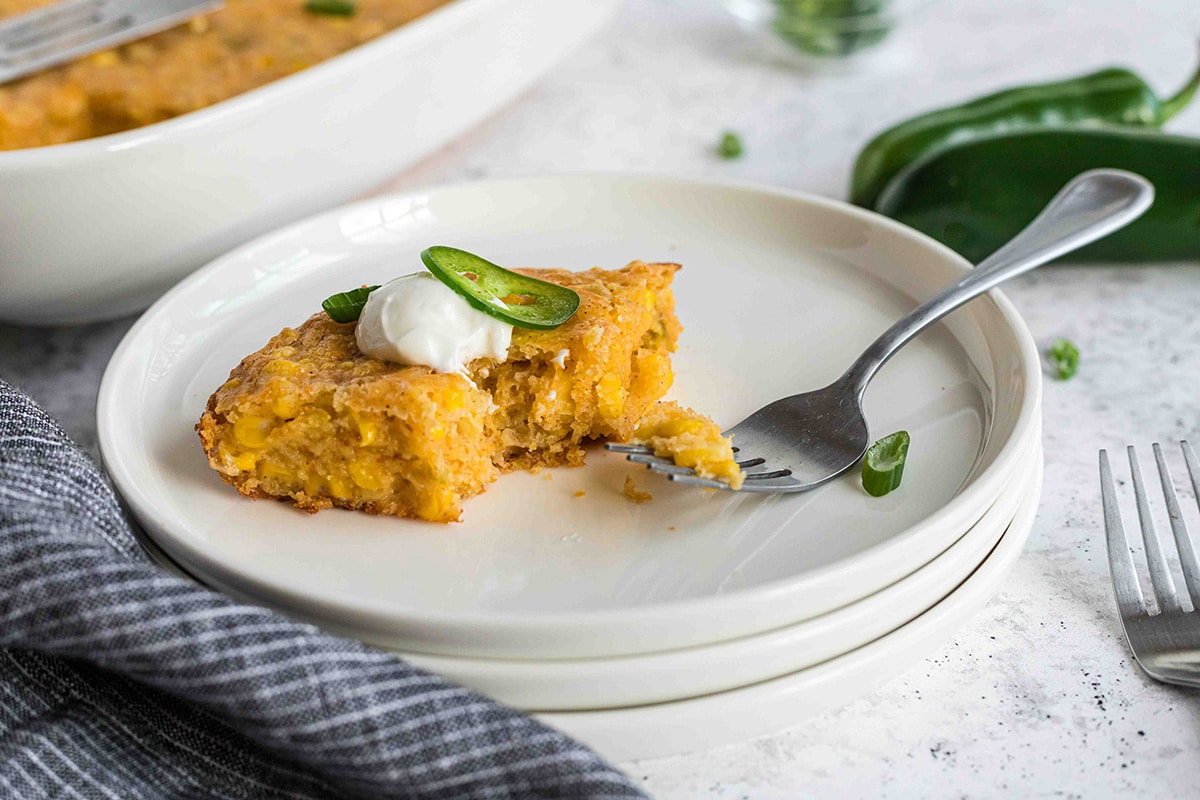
[336, 8]
[883, 465]
[831, 27]
[730, 146]
[1065, 357]
[509, 296]
[346, 306]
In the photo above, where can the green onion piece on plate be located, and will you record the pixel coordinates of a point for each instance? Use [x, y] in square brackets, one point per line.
[730, 146]
[1065, 357]
[509, 296]
[883, 465]
[347, 306]
[335, 8]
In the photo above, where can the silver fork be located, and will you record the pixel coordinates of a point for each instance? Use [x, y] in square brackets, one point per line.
[800, 442]
[61, 31]
[1166, 642]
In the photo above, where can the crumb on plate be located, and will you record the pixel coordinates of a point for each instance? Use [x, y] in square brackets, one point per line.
[632, 492]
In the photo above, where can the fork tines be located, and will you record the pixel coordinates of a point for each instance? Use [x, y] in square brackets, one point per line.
[67, 29]
[641, 454]
[1130, 599]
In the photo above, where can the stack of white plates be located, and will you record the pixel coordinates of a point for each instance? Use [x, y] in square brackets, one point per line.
[691, 620]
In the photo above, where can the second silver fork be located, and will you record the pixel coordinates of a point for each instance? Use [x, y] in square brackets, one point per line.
[1165, 641]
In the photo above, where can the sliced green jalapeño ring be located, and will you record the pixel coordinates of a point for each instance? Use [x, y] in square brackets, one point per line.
[509, 296]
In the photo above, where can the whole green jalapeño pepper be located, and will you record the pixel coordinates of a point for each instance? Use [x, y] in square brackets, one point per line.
[976, 196]
[1108, 97]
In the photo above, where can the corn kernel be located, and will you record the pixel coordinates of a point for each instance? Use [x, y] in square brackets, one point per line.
[252, 431]
[281, 367]
[367, 431]
[141, 52]
[246, 461]
[691, 456]
[439, 503]
[368, 475]
[340, 488]
[105, 58]
[611, 395]
[670, 428]
[452, 400]
[274, 472]
[67, 104]
[285, 406]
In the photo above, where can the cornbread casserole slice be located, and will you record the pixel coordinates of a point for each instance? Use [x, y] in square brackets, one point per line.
[311, 418]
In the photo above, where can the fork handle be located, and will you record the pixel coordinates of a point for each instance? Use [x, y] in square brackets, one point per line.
[1091, 206]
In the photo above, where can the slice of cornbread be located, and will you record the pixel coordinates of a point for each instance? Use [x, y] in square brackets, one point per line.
[312, 419]
[690, 439]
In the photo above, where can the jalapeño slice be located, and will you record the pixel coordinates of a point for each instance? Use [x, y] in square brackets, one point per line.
[514, 298]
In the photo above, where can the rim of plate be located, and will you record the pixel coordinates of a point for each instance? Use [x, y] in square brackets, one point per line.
[530, 675]
[935, 581]
[622, 734]
[978, 494]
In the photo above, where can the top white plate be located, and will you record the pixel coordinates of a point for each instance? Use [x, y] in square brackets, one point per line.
[779, 293]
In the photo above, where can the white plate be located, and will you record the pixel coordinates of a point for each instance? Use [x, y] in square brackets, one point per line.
[97, 229]
[580, 684]
[779, 292]
[584, 684]
[671, 728]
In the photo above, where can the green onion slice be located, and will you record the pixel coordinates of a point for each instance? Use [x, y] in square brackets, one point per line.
[730, 146]
[1065, 357]
[347, 306]
[336, 8]
[883, 465]
[509, 296]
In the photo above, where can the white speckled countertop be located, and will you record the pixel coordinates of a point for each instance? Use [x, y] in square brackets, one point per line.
[1037, 696]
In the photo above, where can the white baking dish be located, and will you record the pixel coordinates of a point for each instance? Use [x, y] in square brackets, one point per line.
[97, 229]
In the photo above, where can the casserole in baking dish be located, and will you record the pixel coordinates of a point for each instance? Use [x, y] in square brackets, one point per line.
[96, 229]
[215, 56]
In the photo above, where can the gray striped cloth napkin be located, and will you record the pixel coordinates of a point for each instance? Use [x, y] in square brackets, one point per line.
[120, 681]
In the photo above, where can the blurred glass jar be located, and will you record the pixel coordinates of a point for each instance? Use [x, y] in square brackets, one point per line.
[823, 29]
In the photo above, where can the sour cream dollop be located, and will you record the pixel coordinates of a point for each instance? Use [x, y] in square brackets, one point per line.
[417, 319]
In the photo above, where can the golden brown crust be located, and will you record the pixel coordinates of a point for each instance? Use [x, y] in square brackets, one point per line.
[310, 418]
